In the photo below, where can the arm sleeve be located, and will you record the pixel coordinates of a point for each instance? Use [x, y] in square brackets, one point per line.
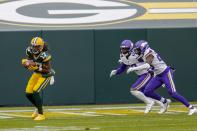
[121, 69]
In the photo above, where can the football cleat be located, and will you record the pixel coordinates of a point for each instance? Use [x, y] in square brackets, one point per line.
[149, 107]
[35, 113]
[192, 111]
[165, 107]
[169, 101]
[40, 117]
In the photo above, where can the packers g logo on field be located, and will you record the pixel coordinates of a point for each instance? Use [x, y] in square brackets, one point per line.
[53, 13]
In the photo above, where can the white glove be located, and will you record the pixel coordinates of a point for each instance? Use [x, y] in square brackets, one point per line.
[113, 72]
[119, 61]
[52, 80]
[130, 70]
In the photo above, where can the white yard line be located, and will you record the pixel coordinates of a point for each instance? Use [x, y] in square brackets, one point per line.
[103, 113]
[51, 128]
[81, 114]
[98, 108]
[177, 111]
[14, 115]
[76, 109]
[5, 117]
[136, 108]
[18, 110]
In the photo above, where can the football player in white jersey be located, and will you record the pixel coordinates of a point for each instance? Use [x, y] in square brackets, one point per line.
[163, 75]
[128, 60]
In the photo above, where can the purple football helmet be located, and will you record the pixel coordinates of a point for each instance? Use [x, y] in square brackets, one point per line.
[126, 46]
[141, 46]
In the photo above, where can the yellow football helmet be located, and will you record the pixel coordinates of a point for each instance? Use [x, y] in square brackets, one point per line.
[37, 45]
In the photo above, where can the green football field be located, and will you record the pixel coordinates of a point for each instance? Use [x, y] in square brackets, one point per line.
[118, 117]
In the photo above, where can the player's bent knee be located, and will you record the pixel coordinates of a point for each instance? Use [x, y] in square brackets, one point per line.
[29, 95]
[147, 92]
[35, 92]
[136, 93]
[133, 92]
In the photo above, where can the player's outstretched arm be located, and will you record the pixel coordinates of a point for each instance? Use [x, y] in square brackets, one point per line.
[113, 73]
[119, 70]
[141, 67]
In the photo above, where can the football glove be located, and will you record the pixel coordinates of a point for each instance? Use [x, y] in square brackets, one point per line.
[23, 61]
[113, 72]
[130, 70]
[52, 80]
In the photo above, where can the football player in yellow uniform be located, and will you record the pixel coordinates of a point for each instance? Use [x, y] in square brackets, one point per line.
[38, 61]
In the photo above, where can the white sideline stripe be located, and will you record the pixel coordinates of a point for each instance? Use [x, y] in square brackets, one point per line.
[180, 10]
[177, 111]
[113, 114]
[5, 117]
[78, 109]
[81, 114]
[168, 112]
[14, 115]
[98, 108]
[51, 128]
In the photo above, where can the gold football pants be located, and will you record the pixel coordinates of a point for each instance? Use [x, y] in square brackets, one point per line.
[36, 83]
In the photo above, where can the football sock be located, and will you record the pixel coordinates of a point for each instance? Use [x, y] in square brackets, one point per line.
[30, 98]
[38, 102]
[191, 107]
[141, 96]
[157, 102]
[163, 100]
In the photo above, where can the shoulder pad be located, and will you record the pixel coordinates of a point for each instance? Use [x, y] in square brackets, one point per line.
[148, 52]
